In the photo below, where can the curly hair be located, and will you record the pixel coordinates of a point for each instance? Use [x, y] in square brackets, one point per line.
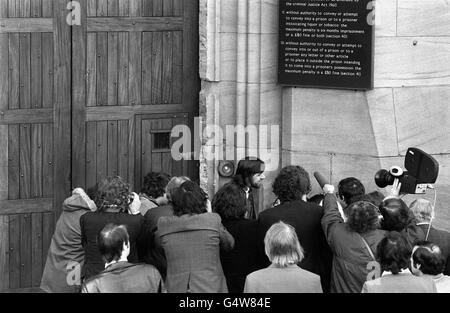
[363, 217]
[155, 184]
[230, 202]
[112, 192]
[394, 253]
[291, 183]
[189, 198]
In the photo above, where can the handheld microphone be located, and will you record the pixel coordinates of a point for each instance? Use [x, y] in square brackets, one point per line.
[321, 179]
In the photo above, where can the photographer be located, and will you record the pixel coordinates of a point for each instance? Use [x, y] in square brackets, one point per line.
[115, 205]
[396, 216]
[353, 242]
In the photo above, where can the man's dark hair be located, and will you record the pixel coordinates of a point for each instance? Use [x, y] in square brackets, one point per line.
[430, 258]
[395, 214]
[112, 192]
[349, 188]
[110, 241]
[246, 169]
[374, 197]
[230, 202]
[362, 217]
[291, 183]
[155, 184]
[393, 253]
[189, 198]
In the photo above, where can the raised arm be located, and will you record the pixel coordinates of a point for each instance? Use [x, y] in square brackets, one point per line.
[331, 214]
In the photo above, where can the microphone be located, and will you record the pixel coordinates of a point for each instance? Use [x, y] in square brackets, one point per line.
[321, 179]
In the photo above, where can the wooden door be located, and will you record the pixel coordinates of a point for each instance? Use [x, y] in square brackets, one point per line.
[34, 138]
[135, 76]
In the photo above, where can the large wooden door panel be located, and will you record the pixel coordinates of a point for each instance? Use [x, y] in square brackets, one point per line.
[131, 59]
[34, 84]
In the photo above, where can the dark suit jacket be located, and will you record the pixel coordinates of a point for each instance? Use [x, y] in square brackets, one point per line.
[306, 219]
[243, 259]
[192, 246]
[152, 216]
[151, 253]
[124, 277]
[91, 225]
[440, 238]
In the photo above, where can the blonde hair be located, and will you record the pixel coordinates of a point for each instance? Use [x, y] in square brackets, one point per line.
[282, 246]
[422, 209]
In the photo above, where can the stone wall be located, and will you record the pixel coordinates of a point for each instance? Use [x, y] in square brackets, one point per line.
[340, 133]
[349, 133]
[238, 53]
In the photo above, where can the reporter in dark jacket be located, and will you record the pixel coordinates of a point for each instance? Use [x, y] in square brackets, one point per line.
[423, 210]
[291, 187]
[114, 205]
[119, 275]
[230, 203]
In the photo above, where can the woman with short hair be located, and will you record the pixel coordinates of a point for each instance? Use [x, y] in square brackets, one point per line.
[192, 240]
[283, 275]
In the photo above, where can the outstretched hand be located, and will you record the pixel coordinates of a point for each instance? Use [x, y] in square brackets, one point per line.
[395, 190]
[327, 188]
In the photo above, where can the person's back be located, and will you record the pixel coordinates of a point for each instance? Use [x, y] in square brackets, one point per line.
[306, 219]
[152, 216]
[442, 283]
[65, 247]
[283, 250]
[124, 277]
[119, 275]
[400, 283]
[291, 279]
[192, 247]
[243, 259]
[351, 258]
[442, 239]
[348, 242]
[424, 213]
[93, 223]
[394, 257]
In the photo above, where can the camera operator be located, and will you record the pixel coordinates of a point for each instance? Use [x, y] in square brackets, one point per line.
[398, 217]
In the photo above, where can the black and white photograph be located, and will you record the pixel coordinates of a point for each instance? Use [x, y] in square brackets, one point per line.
[224, 150]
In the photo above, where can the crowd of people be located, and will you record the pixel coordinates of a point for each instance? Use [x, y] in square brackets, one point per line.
[172, 238]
